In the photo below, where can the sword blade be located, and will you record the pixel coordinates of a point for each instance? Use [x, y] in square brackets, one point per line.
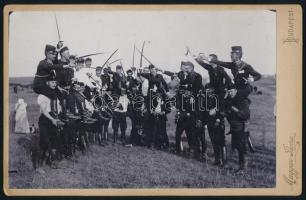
[58, 32]
[133, 56]
[144, 56]
[109, 58]
[93, 54]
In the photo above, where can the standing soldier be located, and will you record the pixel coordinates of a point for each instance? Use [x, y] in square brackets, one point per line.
[219, 82]
[158, 118]
[237, 113]
[119, 116]
[136, 113]
[243, 74]
[48, 122]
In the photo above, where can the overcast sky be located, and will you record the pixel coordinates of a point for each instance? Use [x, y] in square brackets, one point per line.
[167, 33]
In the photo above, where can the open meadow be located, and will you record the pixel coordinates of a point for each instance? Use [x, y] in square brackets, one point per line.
[116, 166]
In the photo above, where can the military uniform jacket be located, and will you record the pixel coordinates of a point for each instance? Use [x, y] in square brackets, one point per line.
[219, 79]
[105, 81]
[44, 68]
[237, 119]
[157, 81]
[118, 82]
[64, 75]
[240, 72]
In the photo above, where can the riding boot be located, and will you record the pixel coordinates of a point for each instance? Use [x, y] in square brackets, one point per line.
[123, 138]
[115, 136]
[250, 144]
[223, 155]
[241, 160]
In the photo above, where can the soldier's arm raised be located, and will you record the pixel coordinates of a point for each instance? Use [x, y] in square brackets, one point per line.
[228, 65]
[203, 64]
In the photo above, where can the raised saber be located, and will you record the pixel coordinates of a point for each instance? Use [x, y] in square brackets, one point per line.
[115, 61]
[93, 54]
[143, 56]
[142, 49]
[109, 58]
[58, 32]
[133, 64]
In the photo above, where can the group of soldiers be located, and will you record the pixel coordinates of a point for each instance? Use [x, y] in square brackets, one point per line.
[78, 102]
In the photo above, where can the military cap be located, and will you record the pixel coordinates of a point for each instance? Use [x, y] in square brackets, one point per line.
[65, 48]
[51, 76]
[105, 70]
[72, 57]
[187, 63]
[129, 71]
[49, 48]
[214, 56]
[118, 67]
[151, 66]
[98, 68]
[237, 49]
[88, 59]
[80, 61]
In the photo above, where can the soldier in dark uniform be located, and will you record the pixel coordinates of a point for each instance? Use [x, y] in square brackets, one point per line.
[219, 82]
[64, 78]
[131, 82]
[190, 85]
[136, 112]
[43, 70]
[243, 73]
[157, 134]
[237, 113]
[156, 83]
[118, 80]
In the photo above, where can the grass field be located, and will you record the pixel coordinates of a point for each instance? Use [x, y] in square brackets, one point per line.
[115, 166]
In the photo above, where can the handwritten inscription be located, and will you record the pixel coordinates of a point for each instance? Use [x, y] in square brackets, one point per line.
[291, 149]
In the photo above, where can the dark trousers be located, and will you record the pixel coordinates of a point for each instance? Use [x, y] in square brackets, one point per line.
[119, 120]
[184, 124]
[48, 133]
[200, 144]
[239, 140]
[157, 133]
[48, 140]
[217, 137]
[137, 126]
[244, 90]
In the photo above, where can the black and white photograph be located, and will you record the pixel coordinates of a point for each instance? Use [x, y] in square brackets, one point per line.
[142, 99]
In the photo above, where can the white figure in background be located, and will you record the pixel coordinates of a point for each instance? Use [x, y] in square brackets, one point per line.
[21, 118]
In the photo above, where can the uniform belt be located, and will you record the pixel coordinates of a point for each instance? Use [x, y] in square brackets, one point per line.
[41, 76]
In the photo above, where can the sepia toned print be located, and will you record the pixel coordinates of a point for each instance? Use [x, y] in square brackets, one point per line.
[124, 110]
